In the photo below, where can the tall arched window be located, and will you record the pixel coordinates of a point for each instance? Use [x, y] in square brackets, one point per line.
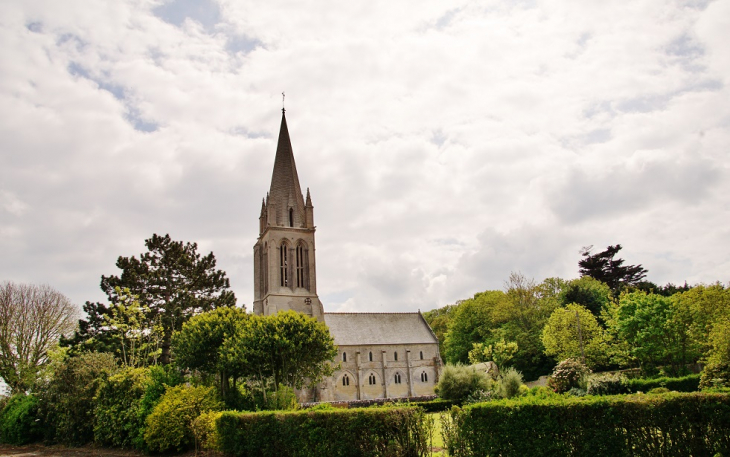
[284, 264]
[345, 380]
[371, 379]
[344, 356]
[424, 377]
[395, 356]
[421, 355]
[265, 267]
[291, 217]
[397, 378]
[302, 265]
[370, 356]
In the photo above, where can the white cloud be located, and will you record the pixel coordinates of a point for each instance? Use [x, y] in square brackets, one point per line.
[444, 145]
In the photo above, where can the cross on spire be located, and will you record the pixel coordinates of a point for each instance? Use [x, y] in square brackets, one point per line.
[282, 102]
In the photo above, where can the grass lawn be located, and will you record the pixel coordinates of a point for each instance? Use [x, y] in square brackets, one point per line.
[437, 447]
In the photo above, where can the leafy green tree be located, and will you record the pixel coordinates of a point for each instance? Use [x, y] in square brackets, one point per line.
[707, 304]
[288, 348]
[717, 370]
[173, 281]
[117, 418]
[500, 353]
[572, 332]
[603, 267]
[91, 334]
[472, 322]
[32, 319]
[439, 320]
[655, 329]
[199, 344]
[588, 292]
[139, 331]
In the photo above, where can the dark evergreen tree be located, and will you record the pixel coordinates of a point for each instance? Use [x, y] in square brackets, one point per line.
[172, 279]
[603, 267]
[92, 334]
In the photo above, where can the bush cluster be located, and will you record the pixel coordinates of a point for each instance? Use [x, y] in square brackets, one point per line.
[568, 374]
[651, 425]
[390, 431]
[20, 420]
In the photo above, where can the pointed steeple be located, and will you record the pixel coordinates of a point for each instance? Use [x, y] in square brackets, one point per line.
[285, 192]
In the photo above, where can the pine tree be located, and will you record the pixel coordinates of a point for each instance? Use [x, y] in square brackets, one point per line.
[603, 267]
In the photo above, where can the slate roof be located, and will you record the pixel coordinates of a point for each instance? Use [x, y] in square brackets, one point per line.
[361, 329]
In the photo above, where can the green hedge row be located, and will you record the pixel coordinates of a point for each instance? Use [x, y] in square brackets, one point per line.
[689, 383]
[353, 432]
[433, 406]
[648, 425]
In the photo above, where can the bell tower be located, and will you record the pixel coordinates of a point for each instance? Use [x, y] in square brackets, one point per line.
[284, 265]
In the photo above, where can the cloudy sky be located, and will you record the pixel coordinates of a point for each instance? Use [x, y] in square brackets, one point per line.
[445, 144]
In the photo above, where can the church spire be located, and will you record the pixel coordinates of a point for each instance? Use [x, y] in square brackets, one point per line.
[285, 193]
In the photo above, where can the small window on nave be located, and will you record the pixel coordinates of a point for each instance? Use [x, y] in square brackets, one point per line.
[345, 380]
[370, 356]
[395, 356]
[371, 379]
[424, 377]
[344, 356]
[397, 378]
[421, 355]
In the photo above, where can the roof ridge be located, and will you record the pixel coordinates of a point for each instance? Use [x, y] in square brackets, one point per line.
[407, 312]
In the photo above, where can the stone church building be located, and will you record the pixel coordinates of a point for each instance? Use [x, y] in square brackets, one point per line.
[381, 355]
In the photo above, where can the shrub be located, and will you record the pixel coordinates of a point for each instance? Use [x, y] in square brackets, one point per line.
[459, 381]
[20, 420]
[689, 383]
[433, 406]
[205, 431]
[67, 402]
[283, 399]
[717, 370]
[118, 422]
[169, 426]
[389, 431]
[658, 390]
[568, 374]
[607, 384]
[672, 424]
[509, 383]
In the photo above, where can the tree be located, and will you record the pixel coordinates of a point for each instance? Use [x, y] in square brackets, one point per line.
[173, 281]
[91, 334]
[199, 344]
[588, 292]
[139, 336]
[717, 369]
[573, 332]
[653, 330]
[500, 353]
[603, 267]
[472, 322]
[288, 348]
[32, 319]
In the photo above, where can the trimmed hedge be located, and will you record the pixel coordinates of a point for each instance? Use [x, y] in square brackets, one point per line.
[689, 383]
[340, 432]
[649, 425]
[433, 406]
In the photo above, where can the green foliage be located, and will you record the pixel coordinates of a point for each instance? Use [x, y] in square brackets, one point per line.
[205, 431]
[656, 425]
[717, 369]
[457, 382]
[607, 384]
[472, 322]
[656, 329]
[118, 419]
[509, 383]
[67, 401]
[138, 330]
[565, 330]
[500, 352]
[439, 320]
[689, 383]
[173, 282]
[603, 267]
[198, 346]
[588, 292]
[20, 420]
[341, 432]
[288, 348]
[568, 374]
[169, 426]
[434, 406]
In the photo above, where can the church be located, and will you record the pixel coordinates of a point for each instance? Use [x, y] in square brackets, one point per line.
[380, 355]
